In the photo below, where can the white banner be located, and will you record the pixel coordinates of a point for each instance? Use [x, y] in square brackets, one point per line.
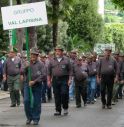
[26, 15]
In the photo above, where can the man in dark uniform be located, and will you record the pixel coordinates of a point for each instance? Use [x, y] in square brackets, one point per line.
[37, 74]
[121, 68]
[92, 72]
[12, 73]
[73, 58]
[117, 84]
[107, 73]
[80, 72]
[59, 75]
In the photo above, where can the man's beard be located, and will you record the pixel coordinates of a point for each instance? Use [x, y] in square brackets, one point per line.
[58, 56]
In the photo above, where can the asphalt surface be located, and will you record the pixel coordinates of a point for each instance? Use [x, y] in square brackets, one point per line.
[90, 116]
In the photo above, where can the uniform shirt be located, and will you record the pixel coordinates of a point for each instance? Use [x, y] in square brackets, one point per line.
[58, 69]
[107, 67]
[92, 69]
[121, 70]
[118, 67]
[12, 66]
[45, 70]
[80, 72]
[37, 71]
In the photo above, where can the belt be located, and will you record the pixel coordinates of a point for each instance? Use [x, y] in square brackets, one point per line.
[13, 75]
[60, 77]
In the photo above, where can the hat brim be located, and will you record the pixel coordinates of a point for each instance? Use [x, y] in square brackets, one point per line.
[84, 57]
[58, 49]
[12, 51]
[35, 53]
[108, 49]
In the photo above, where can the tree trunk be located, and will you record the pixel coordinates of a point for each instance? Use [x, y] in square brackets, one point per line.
[32, 31]
[18, 1]
[55, 6]
[32, 37]
[20, 33]
[55, 34]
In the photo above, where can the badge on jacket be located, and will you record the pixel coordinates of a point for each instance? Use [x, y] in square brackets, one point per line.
[38, 72]
[63, 66]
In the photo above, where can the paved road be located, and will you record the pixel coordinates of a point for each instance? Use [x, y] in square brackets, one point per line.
[90, 116]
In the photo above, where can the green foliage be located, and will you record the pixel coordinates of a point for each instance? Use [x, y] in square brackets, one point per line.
[114, 33]
[44, 35]
[109, 5]
[4, 3]
[113, 18]
[112, 14]
[119, 3]
[86, 23]
[77, 43]
[4, 38]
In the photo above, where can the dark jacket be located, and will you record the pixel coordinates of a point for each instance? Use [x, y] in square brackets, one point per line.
[92, 69]
[37, 72]
[80, 72]
[12, 68]
[59, 69]
[107, 67]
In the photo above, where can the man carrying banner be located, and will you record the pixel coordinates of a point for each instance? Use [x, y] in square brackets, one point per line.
[37, 73]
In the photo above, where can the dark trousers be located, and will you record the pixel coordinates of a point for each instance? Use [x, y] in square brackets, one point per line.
[46, 90]
[120, 89]
[98, 90]
[61, 93]
[81, 92]
[43, 92]
[32, 113]
[107, 87]
[49, 93]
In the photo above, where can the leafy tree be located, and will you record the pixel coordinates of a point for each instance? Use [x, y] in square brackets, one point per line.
[86, 23]
[114, 33]
[44, 34]
[119, 3]
[58, 10]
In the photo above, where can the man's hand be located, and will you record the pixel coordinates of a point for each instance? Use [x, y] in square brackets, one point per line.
[49, 83]
[98, 80]
[21, 78]
[69, 82]
[27, 64]
[4, 78]
[115, 80]
[122, 81]
[31, 83]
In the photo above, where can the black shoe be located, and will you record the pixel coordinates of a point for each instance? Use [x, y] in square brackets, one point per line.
[28, 122]
[35, 123]
[109, 107]
[13, 105]
[57, 114]
[103, 106]
[88, 102]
